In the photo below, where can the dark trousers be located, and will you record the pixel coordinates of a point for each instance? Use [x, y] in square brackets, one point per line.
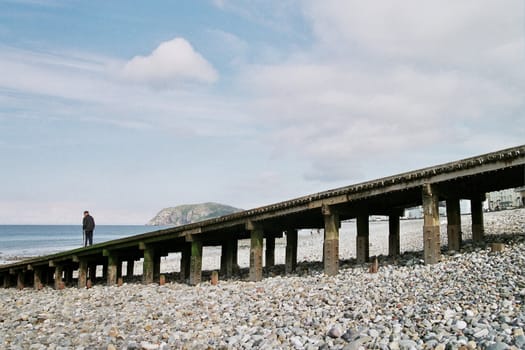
[88, 238]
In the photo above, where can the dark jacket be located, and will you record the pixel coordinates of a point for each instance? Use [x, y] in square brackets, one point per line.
[88, 224]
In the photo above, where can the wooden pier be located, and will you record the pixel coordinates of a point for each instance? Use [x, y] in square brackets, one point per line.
[466, 179]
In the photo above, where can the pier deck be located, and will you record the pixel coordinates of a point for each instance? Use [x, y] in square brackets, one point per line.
[467, 179]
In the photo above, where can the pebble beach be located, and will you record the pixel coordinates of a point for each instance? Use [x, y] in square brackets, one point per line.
[472, 299]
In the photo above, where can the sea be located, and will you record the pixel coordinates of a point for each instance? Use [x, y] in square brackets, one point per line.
[24, 241]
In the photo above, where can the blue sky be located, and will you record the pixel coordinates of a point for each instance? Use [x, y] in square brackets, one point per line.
[127, 107]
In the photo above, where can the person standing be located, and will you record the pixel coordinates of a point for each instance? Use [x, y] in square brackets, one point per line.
[88, 225]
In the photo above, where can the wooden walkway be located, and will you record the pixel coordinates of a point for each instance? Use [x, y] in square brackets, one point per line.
[464, 179]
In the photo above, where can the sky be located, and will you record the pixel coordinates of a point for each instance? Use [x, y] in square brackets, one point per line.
[127, 107]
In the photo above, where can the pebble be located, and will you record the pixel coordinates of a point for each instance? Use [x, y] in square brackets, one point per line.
[461, 325]
[473, 299]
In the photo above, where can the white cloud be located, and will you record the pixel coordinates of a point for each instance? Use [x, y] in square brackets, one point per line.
[461, 31]
[382, 80]
[81, 86]
[170, 63]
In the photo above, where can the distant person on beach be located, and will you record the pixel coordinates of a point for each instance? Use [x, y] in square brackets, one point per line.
[88, 225]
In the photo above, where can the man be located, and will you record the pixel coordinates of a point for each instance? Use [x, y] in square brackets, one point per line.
[88, 225]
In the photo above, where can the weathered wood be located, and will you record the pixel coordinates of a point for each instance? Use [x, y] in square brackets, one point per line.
[185, 262]
[92, 273]
[394, 247]
[431, 232]
[113, 262]
[227, 258]
[476, 209]
[196, 263]
[68, 274]
[453, 224]
[58, 276]
[82, 273]
[256, 248]
[497, 247]
[214, 278]
[37, 279]
[130, 267]
[374, 267]
[291, 251]
[148, 265]
[331, 241]
[362, 239]
[270, 251]
[20, 279]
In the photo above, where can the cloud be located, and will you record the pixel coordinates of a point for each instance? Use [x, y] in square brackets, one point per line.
[80, 86]
[381, 81]
[459, 32]
[170, 63]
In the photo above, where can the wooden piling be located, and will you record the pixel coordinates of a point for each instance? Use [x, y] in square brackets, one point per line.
[476, 209]
[256, 247]
[453, 224]
[82, 273]
[393, 235]
[270, 251]
[362, 239]
[196, 263]
[331, 241]
[291, 251]
[431, 231]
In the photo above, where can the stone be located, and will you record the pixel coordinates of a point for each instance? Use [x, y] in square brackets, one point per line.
[460, 324]
[498, 346]
[481, 333]
[519, 341]
[334, 332]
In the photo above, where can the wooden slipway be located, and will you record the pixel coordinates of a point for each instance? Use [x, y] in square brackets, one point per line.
[467, 179]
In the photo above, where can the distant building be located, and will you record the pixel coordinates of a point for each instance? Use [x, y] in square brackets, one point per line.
[521, 195]
[505, 199]
[499, 200]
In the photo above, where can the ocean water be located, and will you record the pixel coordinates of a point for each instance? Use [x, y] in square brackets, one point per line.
[18, 241]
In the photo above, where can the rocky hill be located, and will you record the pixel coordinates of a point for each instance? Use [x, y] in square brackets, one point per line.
[189, 213]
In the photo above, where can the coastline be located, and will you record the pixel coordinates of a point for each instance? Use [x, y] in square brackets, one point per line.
[473, 299]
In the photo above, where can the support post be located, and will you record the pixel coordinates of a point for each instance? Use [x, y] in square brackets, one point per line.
[58, 276]
[291, 251]
[270, 251]
[82, 273]
[453, 224]
[37, 278]
[476, 209]
[256, 247]
[92, 273]
[105, 270]
[235, 257]
[50, 276]
[362, 239]
[8, 279]
[148, 265]
[68, 274]
[20, 278]
[431, 239]
[185, 262]
[227, 258]
[393, 235]
[113, 262]
[130, 267]
[156, 267]
[331, 241]
[196, 262]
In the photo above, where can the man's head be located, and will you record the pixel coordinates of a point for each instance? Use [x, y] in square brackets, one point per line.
[86, 213]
